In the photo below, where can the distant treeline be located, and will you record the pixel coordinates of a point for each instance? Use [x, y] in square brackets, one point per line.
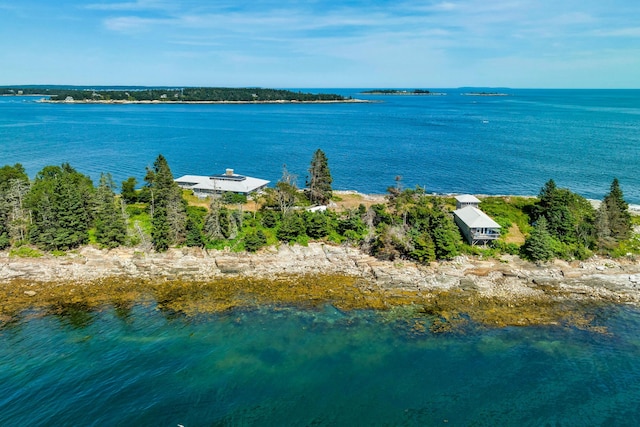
[397, 92]
[187, 94]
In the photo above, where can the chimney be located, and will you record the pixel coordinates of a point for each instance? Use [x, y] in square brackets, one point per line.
[229, 172]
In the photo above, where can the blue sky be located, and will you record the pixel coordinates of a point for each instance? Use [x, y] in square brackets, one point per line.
[353, 43]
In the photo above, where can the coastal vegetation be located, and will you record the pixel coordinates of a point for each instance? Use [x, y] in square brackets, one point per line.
[183, 94]
[61, 209]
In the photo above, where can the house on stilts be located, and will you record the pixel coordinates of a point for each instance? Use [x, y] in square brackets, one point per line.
[476, 226]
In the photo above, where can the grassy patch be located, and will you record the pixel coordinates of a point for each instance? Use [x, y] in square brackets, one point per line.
[26, 252]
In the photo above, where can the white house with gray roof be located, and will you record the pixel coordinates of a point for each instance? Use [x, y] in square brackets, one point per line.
[228, 182]
[464, 200]
[476, 226]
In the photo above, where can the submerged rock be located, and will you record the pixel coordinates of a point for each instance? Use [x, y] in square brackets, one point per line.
[508, 291]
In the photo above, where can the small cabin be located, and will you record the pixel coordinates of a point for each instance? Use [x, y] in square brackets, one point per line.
[464, 200]
[476, 226]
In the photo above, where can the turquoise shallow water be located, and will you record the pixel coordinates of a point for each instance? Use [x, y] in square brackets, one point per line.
[285, 366]
[494, 145]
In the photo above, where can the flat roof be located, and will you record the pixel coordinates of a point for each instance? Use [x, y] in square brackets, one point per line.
[221, 183]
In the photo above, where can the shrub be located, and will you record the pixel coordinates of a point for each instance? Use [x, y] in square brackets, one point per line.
[254, 240]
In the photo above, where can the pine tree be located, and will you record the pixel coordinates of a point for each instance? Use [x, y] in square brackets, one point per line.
[160, 230]
[166, 196]
[538, 246]
[111, 228]
[128, 190]
[617, 211]
[445, 233]
[194, 234]
[195, 219]
[570, 217]
[71, 214]
[424, 248]
[254, 240]
[61, 203]
[319, 183]
[291, 227]
[317, 224]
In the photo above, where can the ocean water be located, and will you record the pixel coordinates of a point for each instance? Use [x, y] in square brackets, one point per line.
[284, 366]
[447, 144]
[290, 367]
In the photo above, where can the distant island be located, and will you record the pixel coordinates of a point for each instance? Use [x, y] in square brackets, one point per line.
[484, 94]
[401, 92]
[172, 95]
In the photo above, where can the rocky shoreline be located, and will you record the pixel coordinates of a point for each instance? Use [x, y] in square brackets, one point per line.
[508, 278]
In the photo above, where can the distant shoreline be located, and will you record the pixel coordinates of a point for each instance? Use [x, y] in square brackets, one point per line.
[154, 102]
[403, 92]
[484, 94]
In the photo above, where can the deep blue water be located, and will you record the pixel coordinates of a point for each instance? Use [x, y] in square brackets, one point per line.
[288, 367]
[493, 145]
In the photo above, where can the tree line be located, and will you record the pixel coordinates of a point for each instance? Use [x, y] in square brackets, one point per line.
[61, 209]
[188, 94]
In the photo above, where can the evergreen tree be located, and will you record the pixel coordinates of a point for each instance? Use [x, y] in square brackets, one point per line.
[290, 228]
[570, 217]
[194, 233]
[319, 183]
[424, 248]
[61, 202]
[128, 190]
[617, 212]
[195, 219]
[111, 228]
[254, 240]
[538, 246]
[445, 233]
[160, 230]
[11, 173]
[166, 195]
[317, 224]
[269, 218]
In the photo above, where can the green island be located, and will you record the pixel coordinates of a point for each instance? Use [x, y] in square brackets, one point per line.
[171, 95]
[69, 246]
